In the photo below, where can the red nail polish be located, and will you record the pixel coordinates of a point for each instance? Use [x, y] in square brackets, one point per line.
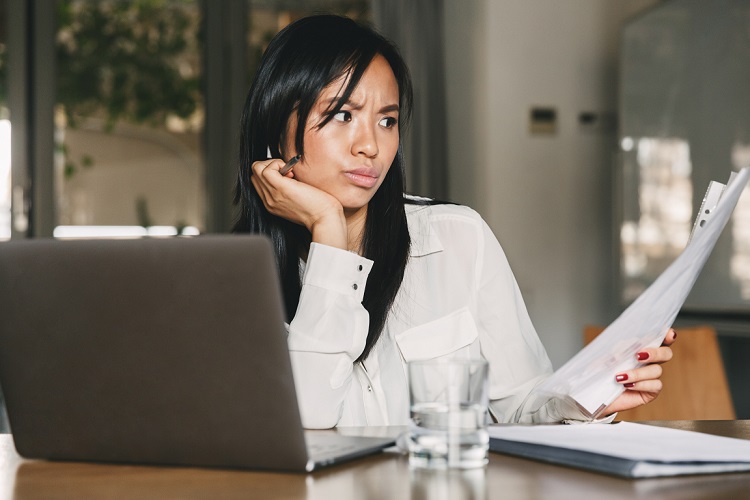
[629, 385]
[674, 336]
[622, 377]
[642, 356]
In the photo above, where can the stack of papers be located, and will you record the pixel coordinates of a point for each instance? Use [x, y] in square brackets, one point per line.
[589, 377]
[623, 449]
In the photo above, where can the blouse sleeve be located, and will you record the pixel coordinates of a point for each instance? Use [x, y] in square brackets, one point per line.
[328, 332]
[517, 359]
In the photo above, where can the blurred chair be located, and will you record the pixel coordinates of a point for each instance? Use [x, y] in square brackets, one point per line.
[695, 383]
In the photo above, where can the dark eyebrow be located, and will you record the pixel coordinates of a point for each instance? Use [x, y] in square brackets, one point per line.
[331, 104]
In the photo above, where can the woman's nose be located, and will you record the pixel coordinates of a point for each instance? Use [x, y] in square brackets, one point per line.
[365, 142]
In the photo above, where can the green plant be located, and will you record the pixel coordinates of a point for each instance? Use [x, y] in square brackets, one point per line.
[131, 61]
[127, 60]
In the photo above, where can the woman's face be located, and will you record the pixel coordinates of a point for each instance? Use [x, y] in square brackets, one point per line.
[350, 156]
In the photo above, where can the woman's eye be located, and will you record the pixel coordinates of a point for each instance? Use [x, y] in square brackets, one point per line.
[343, 116]
[388, 122]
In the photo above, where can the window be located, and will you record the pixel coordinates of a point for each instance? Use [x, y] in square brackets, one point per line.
[128, 110]
[129, 117]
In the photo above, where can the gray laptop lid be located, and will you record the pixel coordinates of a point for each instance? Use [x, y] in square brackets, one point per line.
[163, 351]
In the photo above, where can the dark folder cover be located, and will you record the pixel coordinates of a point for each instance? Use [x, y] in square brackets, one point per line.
[595, 462]
[625, 449]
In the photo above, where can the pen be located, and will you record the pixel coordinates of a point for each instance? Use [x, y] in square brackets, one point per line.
[291, 163]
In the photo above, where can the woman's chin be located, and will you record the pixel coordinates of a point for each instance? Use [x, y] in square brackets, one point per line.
[353, 202]
[352, 207]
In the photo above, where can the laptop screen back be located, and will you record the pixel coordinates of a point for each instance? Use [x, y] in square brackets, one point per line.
[163, 351]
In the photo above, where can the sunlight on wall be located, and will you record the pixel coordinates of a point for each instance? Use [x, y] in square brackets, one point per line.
[665, 190]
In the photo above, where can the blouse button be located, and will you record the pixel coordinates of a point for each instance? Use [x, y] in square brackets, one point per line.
[369, 388]
[359, 267]
[354, 286]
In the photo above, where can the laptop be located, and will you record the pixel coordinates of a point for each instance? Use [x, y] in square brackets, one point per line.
[154, 351]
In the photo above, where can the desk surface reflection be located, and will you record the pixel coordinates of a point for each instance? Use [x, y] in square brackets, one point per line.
[386, 476]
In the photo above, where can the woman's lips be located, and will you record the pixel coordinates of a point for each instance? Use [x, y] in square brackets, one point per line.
[363, 177]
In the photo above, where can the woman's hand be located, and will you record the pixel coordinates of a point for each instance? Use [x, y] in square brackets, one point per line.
[642, 385]
[301, 203]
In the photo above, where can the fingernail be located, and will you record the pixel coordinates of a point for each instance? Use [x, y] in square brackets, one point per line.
[621, 377]
[642, 356]
[674, 336]
[629, 385]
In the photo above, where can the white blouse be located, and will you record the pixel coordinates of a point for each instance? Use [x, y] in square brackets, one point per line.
[458, 299]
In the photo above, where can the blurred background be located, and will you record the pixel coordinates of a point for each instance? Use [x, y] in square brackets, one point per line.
[585, 132]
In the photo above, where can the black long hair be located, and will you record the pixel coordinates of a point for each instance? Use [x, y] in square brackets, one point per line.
[301, 60]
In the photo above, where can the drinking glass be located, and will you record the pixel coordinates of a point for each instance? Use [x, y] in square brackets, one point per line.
[448, 404]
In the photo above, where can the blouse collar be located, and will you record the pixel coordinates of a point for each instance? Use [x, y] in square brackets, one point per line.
[424, 241]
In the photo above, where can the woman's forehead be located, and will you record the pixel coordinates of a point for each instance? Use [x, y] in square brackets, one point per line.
[335, 89]
[378, 76]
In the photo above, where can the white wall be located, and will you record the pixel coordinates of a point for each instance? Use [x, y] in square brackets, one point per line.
[133, 162]
[548, 198]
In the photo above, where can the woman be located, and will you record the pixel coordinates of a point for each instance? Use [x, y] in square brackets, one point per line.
[373, 279]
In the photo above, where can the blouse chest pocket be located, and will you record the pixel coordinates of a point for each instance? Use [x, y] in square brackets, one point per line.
[451, 336]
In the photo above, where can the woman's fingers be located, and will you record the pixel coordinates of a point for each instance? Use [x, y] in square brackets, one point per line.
[267, 170]
[266, 179]
[642, 385]
[654, 386]
[658, 354]
[670, 337]
[648, 372]
[260, 184]
[654, 355]
[297, 201]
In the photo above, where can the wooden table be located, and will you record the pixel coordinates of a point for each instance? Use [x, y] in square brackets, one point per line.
[385, 476]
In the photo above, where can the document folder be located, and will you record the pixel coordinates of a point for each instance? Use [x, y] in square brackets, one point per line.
[623, 449]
